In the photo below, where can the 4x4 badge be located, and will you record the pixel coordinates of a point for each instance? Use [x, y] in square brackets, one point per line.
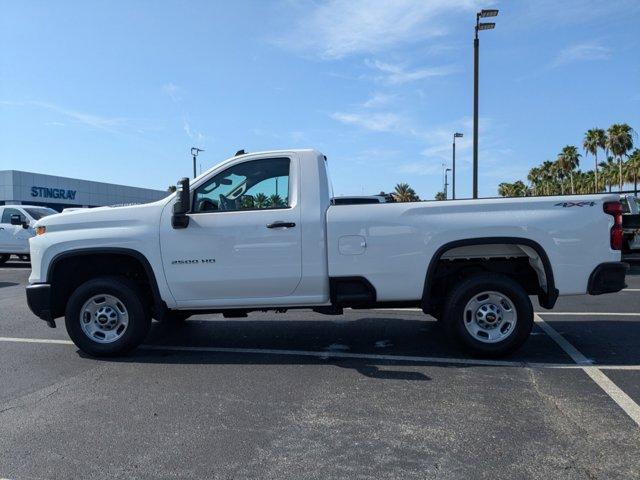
[575, 204]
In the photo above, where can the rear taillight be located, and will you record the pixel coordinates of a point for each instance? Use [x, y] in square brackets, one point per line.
[615, 210]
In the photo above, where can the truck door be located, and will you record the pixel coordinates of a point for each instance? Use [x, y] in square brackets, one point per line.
[243, 238]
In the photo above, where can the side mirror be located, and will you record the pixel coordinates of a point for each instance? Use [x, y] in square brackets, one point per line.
[16, 220]
[180, 219]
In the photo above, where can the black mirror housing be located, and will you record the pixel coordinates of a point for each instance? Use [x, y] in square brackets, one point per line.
[16, 220]
[182, 207]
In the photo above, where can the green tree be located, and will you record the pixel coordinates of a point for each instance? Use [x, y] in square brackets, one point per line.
[172, 188]
[619, 142]
[594, 140]
[275, 201]
[261, 201]
[535, 177]
[440, 196]
[568, 161]
[633, 169]
[247, 202]
[404, 193]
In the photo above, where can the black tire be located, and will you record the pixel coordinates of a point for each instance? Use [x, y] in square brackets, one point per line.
[4, 257]
[129, 295]
[454, 317]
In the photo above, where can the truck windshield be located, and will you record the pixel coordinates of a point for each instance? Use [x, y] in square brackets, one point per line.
[38, 213]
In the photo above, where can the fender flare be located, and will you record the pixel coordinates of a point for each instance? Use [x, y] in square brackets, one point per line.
[129, 252]
[547, 299]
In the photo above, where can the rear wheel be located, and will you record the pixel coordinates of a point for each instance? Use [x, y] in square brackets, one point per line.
[105, 317]
[489, 314]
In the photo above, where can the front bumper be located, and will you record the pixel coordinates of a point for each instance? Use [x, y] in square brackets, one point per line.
[39, 301]
[607, 277]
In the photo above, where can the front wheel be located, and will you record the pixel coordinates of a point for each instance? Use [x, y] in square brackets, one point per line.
[105, 317]
[489, 314]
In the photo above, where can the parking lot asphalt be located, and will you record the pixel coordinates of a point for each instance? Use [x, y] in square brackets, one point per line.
[370, 394]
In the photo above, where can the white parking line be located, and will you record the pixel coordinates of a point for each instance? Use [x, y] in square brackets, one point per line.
[623, 400]
[544, 312]
[591, 314]
[336, 354]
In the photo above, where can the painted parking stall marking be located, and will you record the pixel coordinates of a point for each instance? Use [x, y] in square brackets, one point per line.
[623, 400]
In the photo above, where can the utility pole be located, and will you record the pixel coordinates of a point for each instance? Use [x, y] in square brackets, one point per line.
[194, 153]
[453, 174]
[446, 183]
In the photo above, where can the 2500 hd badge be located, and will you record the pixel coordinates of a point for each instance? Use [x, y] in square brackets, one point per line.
[193, 261]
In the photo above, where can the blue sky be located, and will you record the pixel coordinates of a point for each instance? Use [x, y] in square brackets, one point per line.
[118, 91]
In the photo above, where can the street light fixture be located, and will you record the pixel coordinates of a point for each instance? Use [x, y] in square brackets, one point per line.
[194, 153]
[453, 183]
[488, 12]
[476, 50]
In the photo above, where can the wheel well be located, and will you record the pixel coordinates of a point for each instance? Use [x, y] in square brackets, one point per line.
[525, 263]
[70, 271]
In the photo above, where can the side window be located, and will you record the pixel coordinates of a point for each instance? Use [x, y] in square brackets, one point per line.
[6, 215]
[253, 185]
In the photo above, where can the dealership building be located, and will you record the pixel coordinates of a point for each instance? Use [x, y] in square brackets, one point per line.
[28, 188]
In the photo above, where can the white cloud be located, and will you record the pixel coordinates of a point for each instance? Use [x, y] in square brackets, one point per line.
[376, 122]
[421, 168]
[192, 134]
[340, 28]
[88, 119]
[378, 100]
[398, 74]
[173, 91]
[581, 52]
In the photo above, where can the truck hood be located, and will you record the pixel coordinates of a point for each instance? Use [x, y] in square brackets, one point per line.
[103, 217]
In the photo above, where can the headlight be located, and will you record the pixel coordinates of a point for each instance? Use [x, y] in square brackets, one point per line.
[40, 230]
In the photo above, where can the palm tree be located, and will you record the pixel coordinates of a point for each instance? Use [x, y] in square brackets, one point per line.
[275, 201]
[534, 178]
[559, 169]
[633, 166]
[594, 139]
[247, 202]
[520, 189]
[261, 201]
[568, 161]
[404, 193]
[548, 176]
[505, 189]
[619, 142]
[608, 173]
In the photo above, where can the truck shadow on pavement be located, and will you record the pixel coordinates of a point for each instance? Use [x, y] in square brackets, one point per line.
[254, 341]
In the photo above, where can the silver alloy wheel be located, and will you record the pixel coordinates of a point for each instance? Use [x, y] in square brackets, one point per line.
[104, 318]
[490, 317]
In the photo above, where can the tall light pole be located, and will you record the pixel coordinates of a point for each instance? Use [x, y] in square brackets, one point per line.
[453, 174]
[194, 153]
[446, 182]
[476, 51]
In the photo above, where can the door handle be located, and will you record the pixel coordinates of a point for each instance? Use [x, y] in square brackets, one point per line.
[281, 225]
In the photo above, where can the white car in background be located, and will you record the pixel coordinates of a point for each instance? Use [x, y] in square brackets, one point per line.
[16, 228]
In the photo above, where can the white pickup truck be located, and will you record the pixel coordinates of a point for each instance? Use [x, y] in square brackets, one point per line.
[259, 232]
[16, 227]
